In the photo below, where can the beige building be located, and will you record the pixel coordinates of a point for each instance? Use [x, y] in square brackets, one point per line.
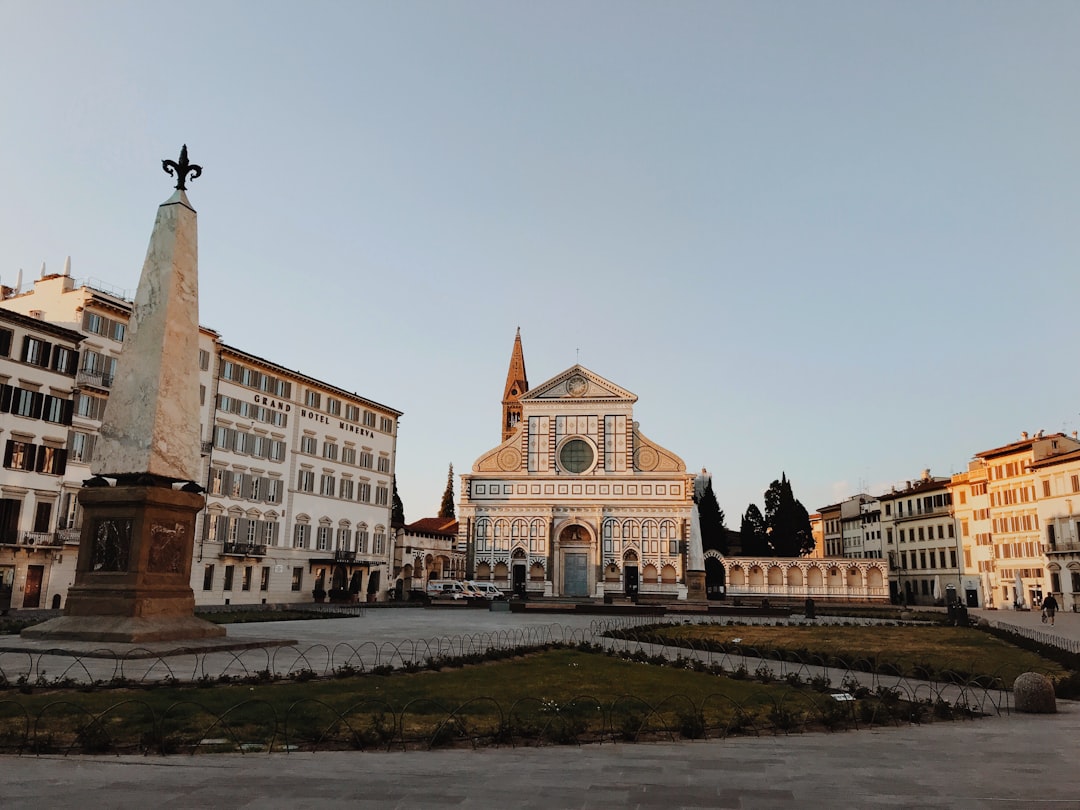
[971, 507]
[1058, 489]
[922, 542]
[576, 501]
[424, 550]
[1014, 486]
[298, 472]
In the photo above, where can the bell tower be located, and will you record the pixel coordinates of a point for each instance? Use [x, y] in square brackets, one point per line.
[517, 383]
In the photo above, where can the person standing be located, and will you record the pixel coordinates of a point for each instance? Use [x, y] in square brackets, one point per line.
[1049, 607]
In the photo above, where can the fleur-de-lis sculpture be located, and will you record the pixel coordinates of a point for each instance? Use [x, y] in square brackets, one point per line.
[181, 169]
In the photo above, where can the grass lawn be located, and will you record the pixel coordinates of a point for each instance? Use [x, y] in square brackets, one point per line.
[558, 695]
[911, 649]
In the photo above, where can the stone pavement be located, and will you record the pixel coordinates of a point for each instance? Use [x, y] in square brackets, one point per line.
[1010, 761]
[1021, 761]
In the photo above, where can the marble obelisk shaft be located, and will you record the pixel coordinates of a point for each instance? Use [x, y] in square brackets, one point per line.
[151, 422]
[133, 581]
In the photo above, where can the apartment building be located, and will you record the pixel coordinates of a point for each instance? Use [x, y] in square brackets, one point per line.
[298, 472]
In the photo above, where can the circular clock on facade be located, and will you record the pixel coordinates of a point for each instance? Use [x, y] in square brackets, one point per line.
[576, 386]
[576, 456]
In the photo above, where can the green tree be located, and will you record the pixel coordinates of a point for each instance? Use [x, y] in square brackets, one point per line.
[713, 531]
[755, 542]
[447, 508]
[397, 514]
[787, 521]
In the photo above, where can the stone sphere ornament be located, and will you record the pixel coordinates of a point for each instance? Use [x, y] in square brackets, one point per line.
[1034, 694]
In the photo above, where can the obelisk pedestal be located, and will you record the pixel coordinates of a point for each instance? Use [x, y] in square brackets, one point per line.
[133, 580]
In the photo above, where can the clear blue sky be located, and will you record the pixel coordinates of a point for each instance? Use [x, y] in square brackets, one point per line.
[836, 239]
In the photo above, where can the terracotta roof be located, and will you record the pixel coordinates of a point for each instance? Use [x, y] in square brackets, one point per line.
[1058, 459]
[435, 525]
[1016, 447]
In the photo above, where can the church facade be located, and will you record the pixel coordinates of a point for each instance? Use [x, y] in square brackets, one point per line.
[575, 501]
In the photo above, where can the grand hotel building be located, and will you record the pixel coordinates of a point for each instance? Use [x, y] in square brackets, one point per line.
[298, 472]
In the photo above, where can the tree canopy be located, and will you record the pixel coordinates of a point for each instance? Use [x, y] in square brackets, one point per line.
[446, 510]
[755, 542]
[397, 514]
[787, 521]
[711, 516]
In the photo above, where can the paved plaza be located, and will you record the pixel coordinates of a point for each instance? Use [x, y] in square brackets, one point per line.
[1010, 761]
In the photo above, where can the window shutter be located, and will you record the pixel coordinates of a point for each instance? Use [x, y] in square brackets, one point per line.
[7, 452]
[66, 411]
[31, 457]
[25, 348]
[5, 398]
[46, 349]
[61, 462]
[37, 401]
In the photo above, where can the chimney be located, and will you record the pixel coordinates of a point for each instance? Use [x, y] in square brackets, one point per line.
[1023, 434]
[926, 474]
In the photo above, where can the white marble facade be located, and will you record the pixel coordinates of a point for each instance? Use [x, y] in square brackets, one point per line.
[577, 502]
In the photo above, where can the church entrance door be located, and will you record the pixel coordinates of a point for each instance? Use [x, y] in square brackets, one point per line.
[519, 580]
[575, 574]
[631, 580]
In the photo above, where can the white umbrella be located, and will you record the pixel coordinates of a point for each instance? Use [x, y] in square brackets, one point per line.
[1019, 593]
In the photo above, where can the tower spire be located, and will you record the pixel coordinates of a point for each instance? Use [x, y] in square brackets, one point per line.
[517, 383]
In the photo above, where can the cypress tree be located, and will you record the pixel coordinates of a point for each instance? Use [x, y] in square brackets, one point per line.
[397, 514]
[713, 531]
[447, 508]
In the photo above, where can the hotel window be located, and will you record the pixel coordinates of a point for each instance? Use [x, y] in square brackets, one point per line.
[306, 481]
[364, 494]
[330, 451]
[36, 352]
[366, 459]
[23, 402]
[333, 406]
[348, 455]
[382, 495]
[322, 538]
[327, 486]
[346, 492]
[309, 445]
[301, 532]
[264, 581]
[386, 425]
[270, 532]
[64, 360]
[312, 399]
[204, 359]
[352, 413]
[361, 539]
[245, 583]
[369, 419]
[344, 538]
[229, 569]
[208, 577]
[297, 578]
[384, 464]
[51, 460]
[273, 490]
[380, 541]
[19, 455]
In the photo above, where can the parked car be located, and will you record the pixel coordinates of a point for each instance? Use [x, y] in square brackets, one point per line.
[451, 589]
[487, 590]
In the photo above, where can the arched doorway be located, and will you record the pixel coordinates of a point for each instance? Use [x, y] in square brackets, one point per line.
[714, 578]
[575, 542]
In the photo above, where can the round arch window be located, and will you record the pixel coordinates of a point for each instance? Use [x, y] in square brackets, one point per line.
[576, 456]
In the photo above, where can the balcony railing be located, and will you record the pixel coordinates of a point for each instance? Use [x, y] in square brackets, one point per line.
[68, 535]
[244, 550]
[341, 555]
[98, 379]
[1059, 547]
[37, 539]
[933, 511]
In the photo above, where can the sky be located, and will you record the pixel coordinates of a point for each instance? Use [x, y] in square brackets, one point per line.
[836, 240]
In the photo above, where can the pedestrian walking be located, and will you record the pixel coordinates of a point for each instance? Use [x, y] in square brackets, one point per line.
[1049, 608]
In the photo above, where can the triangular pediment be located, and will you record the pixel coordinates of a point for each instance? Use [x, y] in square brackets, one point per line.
[578, 384]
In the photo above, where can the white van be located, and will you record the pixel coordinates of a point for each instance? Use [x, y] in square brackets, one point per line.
[487, 590]
[451, 589]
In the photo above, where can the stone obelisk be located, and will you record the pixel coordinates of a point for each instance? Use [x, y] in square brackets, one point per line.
[695, 554]
[133, 581]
